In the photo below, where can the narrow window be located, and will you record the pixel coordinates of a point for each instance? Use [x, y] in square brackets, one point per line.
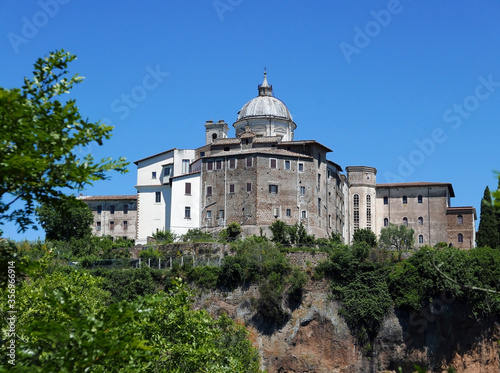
[232, 164]
[218, 164]
[125, 208]
[303, 214]
[111, 209]
[319, 206]
[369, 212]
[272, 163]
[287, 165]
[460, 238]
[386, 200]
[249, 161]
[99, 209]
[273, 188]
[288, 212]
[221, 214]
[405, 200]
[356, 211]
[210, 165]
[209, 214]
[249, 187]
[153, 175]
[185, 166]
[420, 239]
[187, 212]
[319, 181]
[187, 189]
[419, 199]
[231, 188]
[386, 222]
[405, 221]
[98, 226]
[460, 219]
[301, 167]
[166, 171]
[157, 197]
[420, 220]
[319, 159]
[302, 191]
[125, 225]
[111, 225]
[209, 190]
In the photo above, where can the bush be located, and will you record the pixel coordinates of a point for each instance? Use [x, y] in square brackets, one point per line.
[165, 236]
[197, 235]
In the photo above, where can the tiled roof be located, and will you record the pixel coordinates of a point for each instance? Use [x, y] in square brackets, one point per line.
[104, 198]
[271, 151]
[266, 139]
[418, 184]
[305, 142]
[227, 141]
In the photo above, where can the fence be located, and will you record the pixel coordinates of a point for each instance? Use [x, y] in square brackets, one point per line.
[158, 263]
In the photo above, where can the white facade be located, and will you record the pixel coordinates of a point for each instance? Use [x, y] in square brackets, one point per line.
[161, 195]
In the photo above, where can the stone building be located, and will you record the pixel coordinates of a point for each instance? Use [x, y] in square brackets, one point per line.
[114, 216]
[263, 174]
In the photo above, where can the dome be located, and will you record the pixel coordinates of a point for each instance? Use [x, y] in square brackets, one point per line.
[267, 106]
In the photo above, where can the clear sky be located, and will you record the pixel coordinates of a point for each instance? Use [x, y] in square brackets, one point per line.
[410, 87]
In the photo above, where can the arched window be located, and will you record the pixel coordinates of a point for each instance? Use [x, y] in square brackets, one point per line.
[420, 221]
[405, 221]
[460, 237]
[386, 222]
[460, 219]
[369, 212]
[420, 239]
[405, 200]
[386, 200]
[419, 199]
[356, 211]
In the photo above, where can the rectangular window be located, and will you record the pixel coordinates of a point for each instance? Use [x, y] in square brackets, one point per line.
[303, 214]
[301, 167]
[272, 163]
[302, 191]
[187, 212]
[276, 212]
[232, 164]
[202, 154]
[273, 188]
[166, 171]
[209, 190]
[209, 214]
[319, 181]
[288, 212]
[111, 225]
[98, 227]
[249, 187]
[319, 206]
[153, 175]
[287, 165]
[99, 209]
[125, 208]
[218, 165]
[187, 189]
[249, 161]
[111, 209]
[125, 225]
[210, 166]
[185, 166]
[221, 214]
[231, 188]
[157, 197]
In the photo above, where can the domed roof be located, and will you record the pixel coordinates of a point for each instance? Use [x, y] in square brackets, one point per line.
[265, 105]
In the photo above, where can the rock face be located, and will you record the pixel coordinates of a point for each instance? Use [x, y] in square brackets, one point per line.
[316, 338]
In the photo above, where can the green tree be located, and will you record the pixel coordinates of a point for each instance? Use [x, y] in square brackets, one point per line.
[71, 219]
[40, 138]
[399, 238]
[487, 234]
[365, 235]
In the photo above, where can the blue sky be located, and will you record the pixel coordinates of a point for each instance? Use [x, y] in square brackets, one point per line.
[411, 87]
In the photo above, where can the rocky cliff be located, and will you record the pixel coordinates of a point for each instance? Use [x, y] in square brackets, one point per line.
[316, 338]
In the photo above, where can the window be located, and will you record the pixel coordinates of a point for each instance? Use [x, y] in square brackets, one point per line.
[231, 188]
[272, 163]
[187, 189]
[420, 239]
[319, 206]
[99, 209]
[273, 188]
[249, 187]
[157, 197]
[301, 167]
[405, 200]
[369, 212]
[125, 208]
[419, 199]
[302, 191]
[319, 159]
[288, 212]
[187, 212]
[221, 214]
[276, 212]
[202, 154]
[210, 165]
[185, 166]
[386, 200]
[420, 220]
[111, 225]
[166, 171]
[153, 175]
[226, 148]
[111, 209]
[303, 214]
[209, 190]
[356, 211]
[209, 214]
[98, 227]
[249, 161]
[405, 221]
[460, 219]
[125, 225]
[386, 222]
[287, 165]
[218, 164]
[319, 181]
[460, 238]
[232, 164]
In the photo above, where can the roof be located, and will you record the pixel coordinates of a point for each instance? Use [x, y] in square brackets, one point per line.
[271, 151]
[226, 141]
[418, 184]
[107, 198]
[462, 209]
[335, 164]
[304, 142]
[155, 155]
[266, 139]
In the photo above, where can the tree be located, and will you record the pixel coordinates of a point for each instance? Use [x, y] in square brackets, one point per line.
[396, 237]
[365, 235]
[71, 219]
[39, 141]
[487, 234]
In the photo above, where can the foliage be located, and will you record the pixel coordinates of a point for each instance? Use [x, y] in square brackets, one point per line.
[399, 238]
[365, 235]
[290, 235]
[487, 234]
[95, 247]
[71, 219]
[197, 235]
[271, 298]
[296, 283]
[40, 138]
[205, 277]
[165, 236]
[151, 252]
[280, 232]
[232, 232]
